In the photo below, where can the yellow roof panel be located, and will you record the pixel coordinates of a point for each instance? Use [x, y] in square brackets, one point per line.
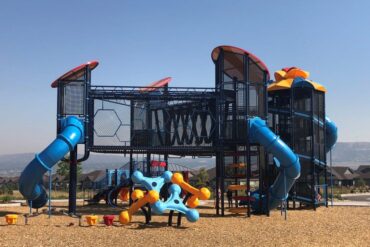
[284, 79]
[318, 86]
[280, 85]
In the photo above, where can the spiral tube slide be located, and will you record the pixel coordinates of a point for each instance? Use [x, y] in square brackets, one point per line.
[30, 182]
[290, 167]
[331, 134]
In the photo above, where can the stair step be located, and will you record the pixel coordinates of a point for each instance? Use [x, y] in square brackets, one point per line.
[238, 210]
[244, 198]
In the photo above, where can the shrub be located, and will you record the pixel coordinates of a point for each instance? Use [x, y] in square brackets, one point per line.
[360, 183]
[6, 198]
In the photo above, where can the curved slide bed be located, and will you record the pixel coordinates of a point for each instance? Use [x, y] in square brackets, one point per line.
[114, 192]
[30, 182]
[289, 161]
[290, 168]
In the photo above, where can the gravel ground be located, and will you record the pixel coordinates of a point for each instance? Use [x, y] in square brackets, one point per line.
[338, 226]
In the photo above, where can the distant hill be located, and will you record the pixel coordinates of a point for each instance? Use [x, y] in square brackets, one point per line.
[350, 154]
[13, 164]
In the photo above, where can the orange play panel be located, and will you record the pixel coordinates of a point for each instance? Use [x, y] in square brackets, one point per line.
[237, 165]
[237, 187]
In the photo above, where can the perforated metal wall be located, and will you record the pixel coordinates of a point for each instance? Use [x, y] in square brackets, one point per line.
[73, 98]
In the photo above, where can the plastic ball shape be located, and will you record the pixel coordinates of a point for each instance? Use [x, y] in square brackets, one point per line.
[192, 215]
[137, 194]
[124, 217]
[167, 175]
[204, 193]
[137, 176]
[153, 196]
[177, 178]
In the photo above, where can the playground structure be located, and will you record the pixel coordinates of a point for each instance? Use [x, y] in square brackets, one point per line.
[117, 183]
[173, 203]
[297, 108]
[228, 121]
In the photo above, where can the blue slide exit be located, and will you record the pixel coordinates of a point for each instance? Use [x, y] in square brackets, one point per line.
[290, 167]
[30, 182]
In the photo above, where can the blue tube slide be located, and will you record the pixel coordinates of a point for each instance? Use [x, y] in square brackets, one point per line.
[331, 134]
[30, 182]
[290, 167]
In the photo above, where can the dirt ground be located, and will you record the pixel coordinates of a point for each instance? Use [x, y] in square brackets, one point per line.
[338, 226]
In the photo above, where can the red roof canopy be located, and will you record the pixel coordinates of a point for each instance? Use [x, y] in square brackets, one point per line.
[75, 73]
[216, 52]
[156, 163]
[157, 84]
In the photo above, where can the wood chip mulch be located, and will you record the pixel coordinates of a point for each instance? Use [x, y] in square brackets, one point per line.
[333, 226]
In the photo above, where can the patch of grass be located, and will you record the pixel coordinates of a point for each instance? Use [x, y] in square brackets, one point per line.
[16, 195]
[6, 198]
[339, 190]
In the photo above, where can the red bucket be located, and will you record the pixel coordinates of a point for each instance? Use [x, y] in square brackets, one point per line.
[108, 219]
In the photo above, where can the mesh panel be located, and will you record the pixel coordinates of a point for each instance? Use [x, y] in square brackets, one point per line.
[302, 136]
[255, 73]
[302, 99]
[234, 66]
[256, 100]
[284, 128]
[303, 185]
[254, 165]
[112, 123]
[319, 133]
[154, 124]
[279, 99]
[73, 101]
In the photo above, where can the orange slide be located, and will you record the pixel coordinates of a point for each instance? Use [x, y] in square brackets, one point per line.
[124, 194]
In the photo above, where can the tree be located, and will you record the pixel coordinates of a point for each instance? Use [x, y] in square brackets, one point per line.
[63, 169]
[360, 182]
[5, 190]
[202, 178]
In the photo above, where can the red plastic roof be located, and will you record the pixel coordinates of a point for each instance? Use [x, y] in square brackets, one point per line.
[156, 163]
[75, 73]
[216, 52]
[157, 84]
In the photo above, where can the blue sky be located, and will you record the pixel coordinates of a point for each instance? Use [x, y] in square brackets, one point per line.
[138, 42]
